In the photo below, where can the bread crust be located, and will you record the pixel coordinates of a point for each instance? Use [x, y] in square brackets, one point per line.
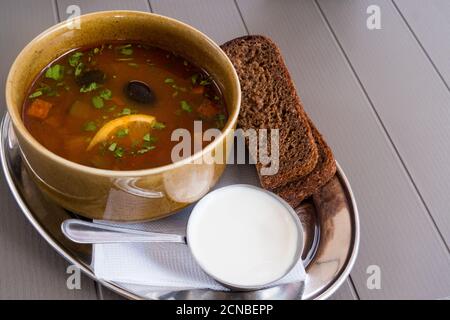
[293, 184]
[269, 101]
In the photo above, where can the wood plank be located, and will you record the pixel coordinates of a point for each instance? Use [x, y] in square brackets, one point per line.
[218, 19]
[392, 214]
[408, 95]
[221, 21]
[430, 25]
[102, 5]
[29, 268]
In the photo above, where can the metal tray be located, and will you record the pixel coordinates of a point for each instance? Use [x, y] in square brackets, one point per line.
[330, 221]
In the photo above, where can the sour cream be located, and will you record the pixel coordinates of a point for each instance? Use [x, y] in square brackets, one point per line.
[244, 236]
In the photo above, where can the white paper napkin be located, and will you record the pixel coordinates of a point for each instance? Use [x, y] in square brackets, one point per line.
[168, 265]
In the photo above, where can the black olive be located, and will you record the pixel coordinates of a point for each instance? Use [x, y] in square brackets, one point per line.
[88, 77]
[139, 91]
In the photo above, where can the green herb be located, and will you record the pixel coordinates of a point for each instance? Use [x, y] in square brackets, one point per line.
[205, 82]
[118, 153]
[110, 46]
[217, 98]
[179, 88]
[35, 94]
[220, 121]
[98, 102]
[122, 133]
[158, 125]
[112, 146]
[125, 112]
[146, 149]
[169, 80]
[132, 64]
[90, 87]
[185, 106]
[90, 126]
[74, 59]
[79, 69]
[194, 78]
[149, 138]
[126, 50]
[112, 108]
[106, 94]
[60, 84]
[96, 50]
[55, 72]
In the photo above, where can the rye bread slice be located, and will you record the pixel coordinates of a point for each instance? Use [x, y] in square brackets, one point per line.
[295, 192]
[269, 101]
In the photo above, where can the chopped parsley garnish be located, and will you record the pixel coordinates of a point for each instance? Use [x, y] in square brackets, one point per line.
[158, 125]
[122, 133]
[125, 112]
[119, 152]
[169, 80]
[205, 82]
[185, 106]
[96, 50]
[90, 126]
[90, 87]
[55, 72]
[126, 50]
[132, 64]
[35, 94]
[220, 120]
[146, 149]
[179, 88]
[194, 78]
[79, 68]
[98, 102]
[106, 94]
[112, 147]
[74, 59]
[149, 138]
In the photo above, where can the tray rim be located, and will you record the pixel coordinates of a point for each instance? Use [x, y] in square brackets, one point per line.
[325, 293]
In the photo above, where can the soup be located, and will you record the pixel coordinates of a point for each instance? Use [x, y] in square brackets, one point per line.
[115, 106]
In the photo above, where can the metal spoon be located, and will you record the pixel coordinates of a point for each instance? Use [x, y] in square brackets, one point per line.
[87, 232]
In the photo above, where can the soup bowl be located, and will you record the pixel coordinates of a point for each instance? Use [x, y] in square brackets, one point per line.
[123, 195]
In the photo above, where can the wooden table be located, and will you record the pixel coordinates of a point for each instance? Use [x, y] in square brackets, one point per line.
[381, 97]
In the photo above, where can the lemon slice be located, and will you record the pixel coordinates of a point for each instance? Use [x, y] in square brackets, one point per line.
[112, 126]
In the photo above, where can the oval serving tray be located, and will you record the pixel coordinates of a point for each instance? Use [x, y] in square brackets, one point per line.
[330, 221]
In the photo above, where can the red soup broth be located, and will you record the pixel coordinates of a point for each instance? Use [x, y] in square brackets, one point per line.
[82, 91]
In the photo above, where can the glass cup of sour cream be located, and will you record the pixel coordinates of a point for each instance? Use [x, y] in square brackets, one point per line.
[245, 237]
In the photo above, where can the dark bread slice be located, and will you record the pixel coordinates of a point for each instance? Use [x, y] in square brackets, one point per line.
[269, 100]
[295, 192]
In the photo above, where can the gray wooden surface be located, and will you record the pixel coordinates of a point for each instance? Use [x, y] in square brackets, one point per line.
[380, 97]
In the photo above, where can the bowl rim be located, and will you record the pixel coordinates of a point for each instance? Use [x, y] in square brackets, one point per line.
[19, 125]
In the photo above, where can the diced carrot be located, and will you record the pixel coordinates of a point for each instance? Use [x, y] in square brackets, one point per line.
[39, 109]
[198, 90]
[207, 109]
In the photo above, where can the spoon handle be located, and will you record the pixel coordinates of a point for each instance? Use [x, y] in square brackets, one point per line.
[87, 232]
